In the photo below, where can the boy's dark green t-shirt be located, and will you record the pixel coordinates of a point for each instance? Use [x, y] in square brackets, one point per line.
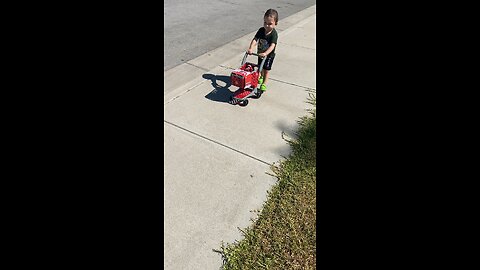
[264, 41]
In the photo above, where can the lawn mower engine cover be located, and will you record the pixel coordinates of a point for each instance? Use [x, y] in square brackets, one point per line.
[244, 78]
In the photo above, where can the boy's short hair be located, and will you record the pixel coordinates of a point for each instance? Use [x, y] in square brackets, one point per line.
[272, 13]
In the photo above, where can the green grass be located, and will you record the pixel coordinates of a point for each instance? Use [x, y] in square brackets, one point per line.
[283, 236]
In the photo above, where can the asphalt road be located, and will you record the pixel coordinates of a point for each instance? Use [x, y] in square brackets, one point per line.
[194, 27]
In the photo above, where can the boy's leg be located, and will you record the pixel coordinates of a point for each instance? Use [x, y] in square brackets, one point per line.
[265, 76]
[260, 80]
[265, 72]
[263, 86]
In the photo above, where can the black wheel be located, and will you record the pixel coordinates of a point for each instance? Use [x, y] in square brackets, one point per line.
[243, 103]
[258, 94]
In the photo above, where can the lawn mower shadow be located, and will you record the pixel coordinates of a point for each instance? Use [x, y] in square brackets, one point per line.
[221, 83]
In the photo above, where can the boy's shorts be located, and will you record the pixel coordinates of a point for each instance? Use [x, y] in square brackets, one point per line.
[268, 62]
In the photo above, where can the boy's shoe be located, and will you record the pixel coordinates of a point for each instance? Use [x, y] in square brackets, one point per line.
[263, 87]
[260, 80]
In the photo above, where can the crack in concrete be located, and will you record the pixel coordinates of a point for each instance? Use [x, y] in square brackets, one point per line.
[216, 142]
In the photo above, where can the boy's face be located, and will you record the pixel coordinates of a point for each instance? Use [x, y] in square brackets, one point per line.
[269, 23]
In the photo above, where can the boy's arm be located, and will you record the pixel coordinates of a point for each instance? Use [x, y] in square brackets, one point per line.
[269, 50]
[252, 45]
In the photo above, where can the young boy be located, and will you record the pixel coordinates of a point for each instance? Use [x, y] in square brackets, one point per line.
[266, 38]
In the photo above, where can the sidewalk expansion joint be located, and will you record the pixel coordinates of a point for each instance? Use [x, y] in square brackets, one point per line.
[280, 81]
[219, 143]
[298, 46]
[226, 67]
[197, 66]
[183, 93]
[294, 84]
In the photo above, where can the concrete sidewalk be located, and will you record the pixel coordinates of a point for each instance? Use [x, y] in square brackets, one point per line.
[217, 155]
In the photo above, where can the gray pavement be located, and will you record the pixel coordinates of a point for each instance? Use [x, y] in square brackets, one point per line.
[217, 155]
[194, 27]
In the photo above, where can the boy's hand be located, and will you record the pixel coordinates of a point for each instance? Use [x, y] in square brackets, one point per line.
[262, 54]
[249, 51]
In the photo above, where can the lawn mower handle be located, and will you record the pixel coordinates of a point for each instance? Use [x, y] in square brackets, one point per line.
[261, 65]
[256, 55]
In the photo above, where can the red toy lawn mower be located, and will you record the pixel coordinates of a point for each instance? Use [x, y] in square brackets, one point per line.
[246, 79]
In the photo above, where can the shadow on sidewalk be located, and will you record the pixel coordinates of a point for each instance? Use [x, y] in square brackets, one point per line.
[221, 83]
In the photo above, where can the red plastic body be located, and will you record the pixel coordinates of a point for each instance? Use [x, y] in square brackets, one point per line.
[245, 76]
[241, 93]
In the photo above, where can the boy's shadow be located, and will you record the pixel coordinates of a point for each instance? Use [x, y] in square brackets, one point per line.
[221, 83]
